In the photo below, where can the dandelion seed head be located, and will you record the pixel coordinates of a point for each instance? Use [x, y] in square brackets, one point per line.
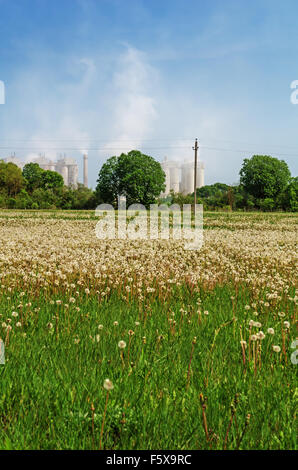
[108, 385]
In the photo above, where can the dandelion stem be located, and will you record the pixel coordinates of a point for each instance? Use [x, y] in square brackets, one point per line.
[103, 420]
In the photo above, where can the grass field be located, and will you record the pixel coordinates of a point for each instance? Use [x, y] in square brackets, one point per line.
[197, 346]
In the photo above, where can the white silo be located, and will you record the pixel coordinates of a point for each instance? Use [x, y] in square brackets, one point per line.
[72, 175]
[166, 169]
[190, 179]
[63, 170]
[174, 177]
[187, 178]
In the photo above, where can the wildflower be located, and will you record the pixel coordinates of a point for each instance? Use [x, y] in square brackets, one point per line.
[254, 337]
[18, 324]
[76, 340]
[243, 343]
[270, 331]
[206, 312]
[14, 314]
[258, 324]
[97, 338]
[247, 307]
[137, 323]
[122, 344]
[115, 323]
[276, 349]
[130, 332]
[100, 327]
[50, 325]
[108, 385]
[261, 335]
[287, 324]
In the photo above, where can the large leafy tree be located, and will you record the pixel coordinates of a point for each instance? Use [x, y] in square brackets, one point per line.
[134, 175]
[33, 176]
[264, 177]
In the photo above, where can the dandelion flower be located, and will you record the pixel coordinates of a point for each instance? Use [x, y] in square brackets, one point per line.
[276, 349]
[122, 344]
[270, 331]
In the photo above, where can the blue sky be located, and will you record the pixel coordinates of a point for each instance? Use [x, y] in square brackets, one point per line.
[111, 75]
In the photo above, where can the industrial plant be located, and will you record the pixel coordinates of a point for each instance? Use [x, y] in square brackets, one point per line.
[180, 177]
[67, 167]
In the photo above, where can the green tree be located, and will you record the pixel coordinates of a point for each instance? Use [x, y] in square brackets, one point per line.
[134, 175]
[289, 198]
[51, 180]
[33, 176]
[264, 177]
[84, 198]
[11, 179]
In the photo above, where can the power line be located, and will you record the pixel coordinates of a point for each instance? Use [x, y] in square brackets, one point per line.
[90, 149]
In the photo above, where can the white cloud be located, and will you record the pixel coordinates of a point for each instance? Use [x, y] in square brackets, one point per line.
[134, 108]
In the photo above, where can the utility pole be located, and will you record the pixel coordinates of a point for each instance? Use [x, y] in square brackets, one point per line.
[195, 148]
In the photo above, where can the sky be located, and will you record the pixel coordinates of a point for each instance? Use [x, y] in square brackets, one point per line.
[106, 76]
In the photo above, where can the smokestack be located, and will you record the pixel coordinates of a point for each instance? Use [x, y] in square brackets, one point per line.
[85, 157]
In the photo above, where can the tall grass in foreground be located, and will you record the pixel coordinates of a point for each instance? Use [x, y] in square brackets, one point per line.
[208, 370]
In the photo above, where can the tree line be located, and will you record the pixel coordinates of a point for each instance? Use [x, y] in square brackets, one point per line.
[265, 184]
[35, 188]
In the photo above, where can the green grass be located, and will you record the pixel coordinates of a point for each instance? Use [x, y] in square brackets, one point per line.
[49, 382]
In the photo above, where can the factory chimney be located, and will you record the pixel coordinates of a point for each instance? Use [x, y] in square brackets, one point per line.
[85, 158]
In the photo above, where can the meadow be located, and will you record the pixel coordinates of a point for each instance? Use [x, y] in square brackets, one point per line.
[133, 344]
